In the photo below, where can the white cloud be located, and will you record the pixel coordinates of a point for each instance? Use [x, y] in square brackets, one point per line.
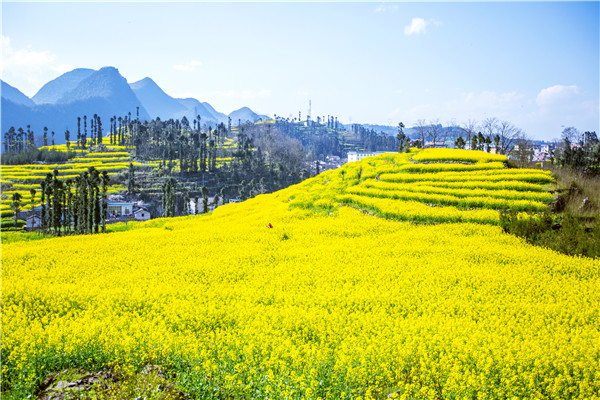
[556, 94]
[31, 66]
[243, 94]
[419, 25]
[189, 67]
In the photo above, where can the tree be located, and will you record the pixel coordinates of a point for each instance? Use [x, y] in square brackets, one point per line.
[105, 179]
[67, 138]
[204, 200]
[474, 143]
[469, 129]
[421, 132]
[16, 203]
[403, 144]
[131, 179]
[523, 151]
[43, 210]
[508, 136]
[460, 143]
[168, 201]
[186, 203]
[570, 133]
[222, 193]
[434, 132]
[78, 131]
[45, 136]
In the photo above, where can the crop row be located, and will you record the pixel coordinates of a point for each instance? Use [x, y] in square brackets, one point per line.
[502, 191]
[458, 155]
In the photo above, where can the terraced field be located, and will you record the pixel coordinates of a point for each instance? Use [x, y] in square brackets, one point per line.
[308, 293]
[22, 178]
[462, 187]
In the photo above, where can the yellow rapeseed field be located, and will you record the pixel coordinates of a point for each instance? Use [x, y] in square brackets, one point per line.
[329, 303]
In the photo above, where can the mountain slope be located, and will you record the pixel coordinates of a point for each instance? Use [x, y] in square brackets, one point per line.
[195, 108]
[219, 116]
[243, 114]
[53, 91]
[13, 94]
[156, 101]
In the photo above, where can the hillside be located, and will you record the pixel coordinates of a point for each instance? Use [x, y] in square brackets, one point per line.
[386, 276]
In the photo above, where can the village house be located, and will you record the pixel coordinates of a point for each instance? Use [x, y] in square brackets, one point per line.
[359, 155]
[141, 214]
[119, 209]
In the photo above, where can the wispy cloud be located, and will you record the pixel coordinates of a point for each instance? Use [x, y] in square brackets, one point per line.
[33, 66]
[189, 67]
[386, 8]
[243, 94]
[418, 26]
[556, 94]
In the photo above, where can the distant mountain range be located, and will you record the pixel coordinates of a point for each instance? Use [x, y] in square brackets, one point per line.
[105, 92]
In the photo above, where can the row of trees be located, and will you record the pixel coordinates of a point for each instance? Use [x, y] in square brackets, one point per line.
[19, 140]
[580, 151]
[75, 206]
[475, 135]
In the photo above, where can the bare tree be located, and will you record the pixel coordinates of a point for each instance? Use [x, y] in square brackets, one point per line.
[449, 131]
[421, 131]
[469, 129]
[508, 134]
[572, 134]
[490, 127]
[434, 131]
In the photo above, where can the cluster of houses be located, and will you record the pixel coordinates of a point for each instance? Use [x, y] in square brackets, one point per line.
[116, 212]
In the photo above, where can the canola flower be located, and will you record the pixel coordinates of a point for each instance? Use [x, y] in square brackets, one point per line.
[329, 303]
[457, 155]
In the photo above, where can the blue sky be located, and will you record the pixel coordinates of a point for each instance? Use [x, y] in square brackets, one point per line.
[535, 64]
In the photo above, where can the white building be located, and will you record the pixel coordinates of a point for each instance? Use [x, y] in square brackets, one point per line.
[359, 155]
[141, 214]
[120, 209]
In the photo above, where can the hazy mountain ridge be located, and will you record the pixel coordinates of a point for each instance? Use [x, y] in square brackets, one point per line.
[55, 90]
[104, 92]
[14, 95]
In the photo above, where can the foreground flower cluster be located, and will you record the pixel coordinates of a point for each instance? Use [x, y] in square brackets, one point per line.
[329, 303]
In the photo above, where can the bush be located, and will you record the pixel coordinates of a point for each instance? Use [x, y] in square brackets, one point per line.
[10, 223]
[570, 235]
